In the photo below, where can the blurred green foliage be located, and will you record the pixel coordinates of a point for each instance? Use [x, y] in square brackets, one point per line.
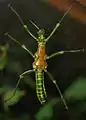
[3, 56]
[76, 91]
[45, 112]
[9, 98]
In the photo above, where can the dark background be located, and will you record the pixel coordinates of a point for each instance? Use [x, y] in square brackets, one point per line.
[64, 68]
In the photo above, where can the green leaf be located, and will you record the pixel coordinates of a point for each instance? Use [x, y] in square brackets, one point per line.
[3, 63]
[2, 90]
[10, 99]
[77, 91]
[3, 56]
[45, 112]
[14, 98]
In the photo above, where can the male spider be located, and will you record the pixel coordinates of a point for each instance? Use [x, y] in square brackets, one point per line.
[40, 57]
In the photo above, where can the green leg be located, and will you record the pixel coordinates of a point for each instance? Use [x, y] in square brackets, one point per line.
[34, 24]
[26, 28]
[58, 24]
[21, 21]
[23, 46]
[54, 81]
[55, 28]
[62, 52]
[20, 77]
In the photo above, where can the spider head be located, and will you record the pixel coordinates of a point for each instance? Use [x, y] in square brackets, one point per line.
[41, 37]
[41, 32]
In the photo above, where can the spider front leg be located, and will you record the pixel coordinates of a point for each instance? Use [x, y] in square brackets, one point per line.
[59, 23]
[57, 87]
[55, 28]
[21, 21]
[34, 24]
[21, 45]
[62, 52]
[20, 77]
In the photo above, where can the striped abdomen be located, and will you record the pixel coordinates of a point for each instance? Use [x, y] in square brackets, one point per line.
[40, 89]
